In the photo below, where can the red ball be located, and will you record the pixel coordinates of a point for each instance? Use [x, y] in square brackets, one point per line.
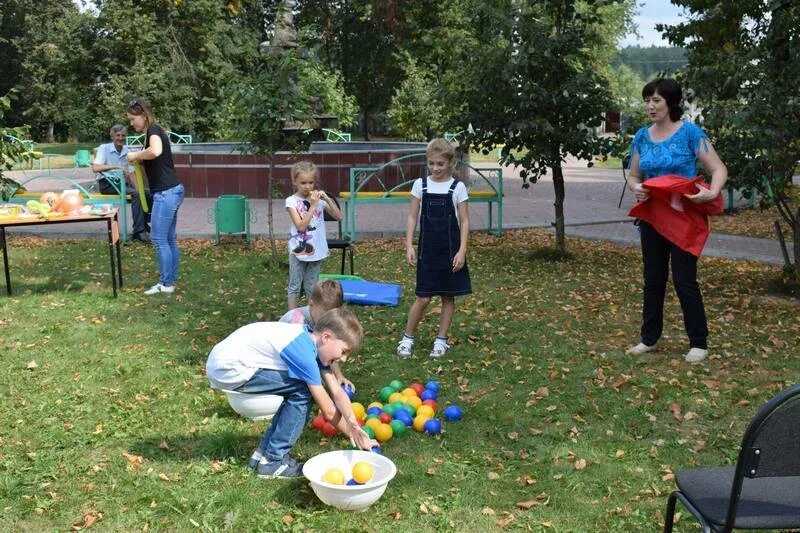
[318, 423]
[418, 388]
[329, 430]
[385, 418]
[432, 403]
[362, 421]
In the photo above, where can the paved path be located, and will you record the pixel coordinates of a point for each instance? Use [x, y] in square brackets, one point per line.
[590, 210]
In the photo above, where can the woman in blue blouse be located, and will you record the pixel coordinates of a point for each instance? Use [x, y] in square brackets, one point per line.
[671, 146]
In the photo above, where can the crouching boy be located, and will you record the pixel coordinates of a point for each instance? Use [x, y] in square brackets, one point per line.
[289, 361]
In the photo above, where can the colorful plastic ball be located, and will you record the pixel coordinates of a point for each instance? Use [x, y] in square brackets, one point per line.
[426, 411]
[433, 426]
[376, 449]
[396, 397]
[385, 418]
[329, 430]
[348, 390]
[334, 476]
[389, 409]
[403, 416]
[432, 404]
[370, 417]
[409, 392]
[398, 427]
[385, 393]
[432, 385]
[359, 411]
[428, 394]
[414, 402]
[379, 405]
[410, 409]
[373, 423]
[374, 410]
[453, 413]
[383, 433]
[352, 482]
[369, 431]
[419, 422]
[396, 384]
[362, 472]
[318, 423]
[418, 388]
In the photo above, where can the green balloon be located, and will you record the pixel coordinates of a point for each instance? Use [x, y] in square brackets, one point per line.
[398, 427]
[385, 393]
[369, 431]
[397, 385]
[390, 409]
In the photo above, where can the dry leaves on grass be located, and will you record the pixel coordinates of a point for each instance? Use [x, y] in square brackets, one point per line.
[90, 517]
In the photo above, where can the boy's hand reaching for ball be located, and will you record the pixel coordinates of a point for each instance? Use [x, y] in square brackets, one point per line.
[359, 438]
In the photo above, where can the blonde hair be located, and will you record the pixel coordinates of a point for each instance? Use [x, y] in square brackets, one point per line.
[440, 146]
[304, 167]
[327, 294]
[343, 324]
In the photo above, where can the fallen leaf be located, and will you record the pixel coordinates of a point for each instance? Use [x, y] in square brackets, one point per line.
[287, 519]
[619, 453]
[488, 511]
[493, 475]
[580, 464]
[675, 409]
[505, 521]
[89, 518]
[31, 365]
[526, 504]
[134, 461]
[395, 515]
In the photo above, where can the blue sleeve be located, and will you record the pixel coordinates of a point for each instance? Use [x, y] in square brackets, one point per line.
[635, 144]
[698, 140]
[300, 357]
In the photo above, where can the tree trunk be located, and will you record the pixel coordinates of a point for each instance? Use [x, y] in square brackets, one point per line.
[796, 243]
[270, 225]
[50, 135]
[366, 125]
[558, 187]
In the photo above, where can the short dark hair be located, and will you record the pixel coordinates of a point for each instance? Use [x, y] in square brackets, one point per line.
[670, 90]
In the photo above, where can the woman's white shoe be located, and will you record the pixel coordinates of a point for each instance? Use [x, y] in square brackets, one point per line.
[695, 355]
[640, 348]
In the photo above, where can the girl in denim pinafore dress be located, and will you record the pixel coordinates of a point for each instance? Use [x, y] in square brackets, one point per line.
[441, 258]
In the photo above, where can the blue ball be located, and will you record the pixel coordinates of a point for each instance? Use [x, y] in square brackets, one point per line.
[348, 390]
[403, 416]
[374, 410]
[433, 426]
[377, 449]
[428, 394]
[353, 482]
[453, 413]
[432, 385]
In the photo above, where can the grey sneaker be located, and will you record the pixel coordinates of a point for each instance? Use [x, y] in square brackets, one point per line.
[286, 468]
[157, 288]
[252, 463]
[404, 348]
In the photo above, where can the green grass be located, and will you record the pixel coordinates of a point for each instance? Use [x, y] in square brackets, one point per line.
[115, 421]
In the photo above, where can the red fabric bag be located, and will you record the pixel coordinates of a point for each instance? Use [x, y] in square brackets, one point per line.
[678, 219]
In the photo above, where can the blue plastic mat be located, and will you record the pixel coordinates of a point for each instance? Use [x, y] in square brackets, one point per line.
[371, 292]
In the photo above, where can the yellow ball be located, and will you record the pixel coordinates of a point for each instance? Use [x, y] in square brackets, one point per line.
[426, 411]
[362, 472]
[375, 404]
[413, 401]
[334, 476]
[419, 422]
[396, 397]
[383, 432]
[374, 423]
[408, 391]
[359, 411]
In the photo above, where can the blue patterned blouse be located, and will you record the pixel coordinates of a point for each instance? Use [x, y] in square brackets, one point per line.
[676, 154]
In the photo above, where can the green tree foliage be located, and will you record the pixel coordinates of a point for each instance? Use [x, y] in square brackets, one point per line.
[649, 61]
[13, 149]
[744, 66]
[416, 108]
[542, 97]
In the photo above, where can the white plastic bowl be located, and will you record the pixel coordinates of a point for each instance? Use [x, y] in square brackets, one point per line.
[349, 497]
[254, 406]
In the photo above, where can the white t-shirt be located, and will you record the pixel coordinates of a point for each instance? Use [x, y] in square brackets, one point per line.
[441, 187]
[311, 244]
[268, 345]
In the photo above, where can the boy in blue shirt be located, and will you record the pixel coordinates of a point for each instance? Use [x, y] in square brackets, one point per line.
[289, 361]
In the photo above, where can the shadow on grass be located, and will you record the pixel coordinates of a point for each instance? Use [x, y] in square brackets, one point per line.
[220, 445]
[549, 255]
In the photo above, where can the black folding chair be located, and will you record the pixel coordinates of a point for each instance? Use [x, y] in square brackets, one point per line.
[345, 245]
[763, 490]
[626, 161]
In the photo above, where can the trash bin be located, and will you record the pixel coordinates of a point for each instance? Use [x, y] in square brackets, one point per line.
[232, 216]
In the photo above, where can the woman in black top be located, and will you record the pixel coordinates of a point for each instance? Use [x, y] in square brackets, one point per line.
[167, 190]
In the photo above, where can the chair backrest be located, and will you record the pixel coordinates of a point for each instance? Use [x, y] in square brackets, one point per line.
[83, 158]
[771, 444]
[329, 218]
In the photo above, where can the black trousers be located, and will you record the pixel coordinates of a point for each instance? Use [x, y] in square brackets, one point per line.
[140, 219]
[658, 254]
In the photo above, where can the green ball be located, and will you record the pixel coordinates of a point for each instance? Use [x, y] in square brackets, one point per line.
[372, 416]
[385, 393]
[389, 409]
[398, 427]
[397, 385]
[369, 431]
[410, 409]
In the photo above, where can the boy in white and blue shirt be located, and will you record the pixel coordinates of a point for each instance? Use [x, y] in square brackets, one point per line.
[288, 360]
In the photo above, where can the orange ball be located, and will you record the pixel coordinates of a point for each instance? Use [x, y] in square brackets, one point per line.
[383, 432]
[419, 422]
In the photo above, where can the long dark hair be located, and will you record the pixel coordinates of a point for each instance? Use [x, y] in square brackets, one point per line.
[668, 89]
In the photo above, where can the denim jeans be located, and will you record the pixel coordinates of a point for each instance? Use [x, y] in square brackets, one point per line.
[163, 232]
[292, 415]
[657, 254]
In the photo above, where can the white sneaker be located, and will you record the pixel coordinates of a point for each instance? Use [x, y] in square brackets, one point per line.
[157, 288]
[639, 349]
[695, 355]
[439, 349]
[404, 348]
